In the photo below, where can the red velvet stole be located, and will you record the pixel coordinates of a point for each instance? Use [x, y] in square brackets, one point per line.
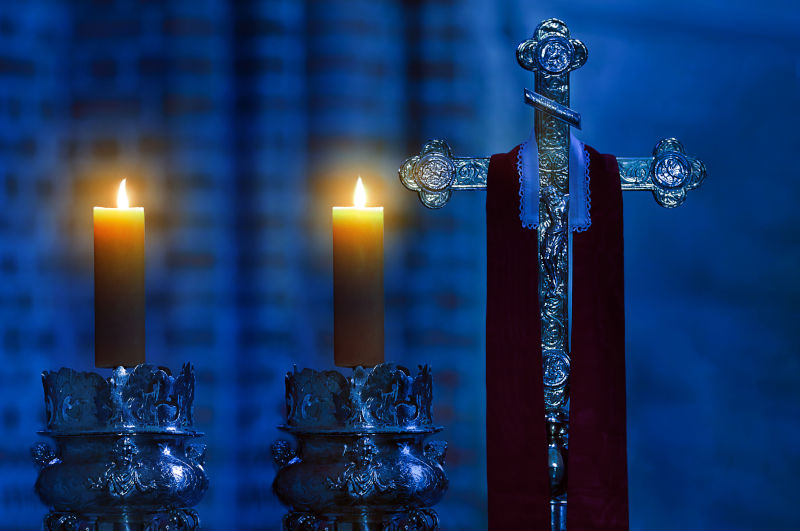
[516, 442]
[516, 438]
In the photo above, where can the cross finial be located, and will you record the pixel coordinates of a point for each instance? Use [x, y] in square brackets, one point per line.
[550, 51]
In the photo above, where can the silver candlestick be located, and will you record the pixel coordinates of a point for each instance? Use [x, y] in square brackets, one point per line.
[124, 459]
[360, 462]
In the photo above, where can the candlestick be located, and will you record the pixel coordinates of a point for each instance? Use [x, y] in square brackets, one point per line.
[119, 284]
[125, 455]
[361, 460]
[358, 283]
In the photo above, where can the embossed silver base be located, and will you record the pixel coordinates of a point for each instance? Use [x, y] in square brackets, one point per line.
[124, 459]
[424, 519]
[177, 519]
[361, 461]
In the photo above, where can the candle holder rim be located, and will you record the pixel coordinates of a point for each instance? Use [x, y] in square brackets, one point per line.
[146, 398]
[134, 430]
[362, 430]
[111, 371]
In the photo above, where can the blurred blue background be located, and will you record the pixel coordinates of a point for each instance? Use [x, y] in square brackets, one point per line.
[239, 124]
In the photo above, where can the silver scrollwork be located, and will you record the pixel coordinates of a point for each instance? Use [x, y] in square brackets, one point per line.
[555, 368]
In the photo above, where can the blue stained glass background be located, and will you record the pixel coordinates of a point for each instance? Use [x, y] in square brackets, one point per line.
[238, 126]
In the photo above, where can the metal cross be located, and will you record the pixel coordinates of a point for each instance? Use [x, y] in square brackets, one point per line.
[669, 173]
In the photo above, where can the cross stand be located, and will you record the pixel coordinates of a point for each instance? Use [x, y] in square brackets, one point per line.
[669, 173]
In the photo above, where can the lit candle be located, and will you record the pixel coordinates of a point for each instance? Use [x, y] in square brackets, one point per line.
[119, 284]
[358, 283]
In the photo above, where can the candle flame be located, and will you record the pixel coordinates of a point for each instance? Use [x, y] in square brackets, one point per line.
[122, 195]
[360, 195]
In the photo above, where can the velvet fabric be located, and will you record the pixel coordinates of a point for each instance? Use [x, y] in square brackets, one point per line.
[516, 434]
[516, 443]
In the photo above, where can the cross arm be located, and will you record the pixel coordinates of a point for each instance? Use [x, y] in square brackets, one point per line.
[669, 173]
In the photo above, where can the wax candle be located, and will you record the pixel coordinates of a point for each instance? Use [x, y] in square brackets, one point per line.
[119, 284]
[358, 283]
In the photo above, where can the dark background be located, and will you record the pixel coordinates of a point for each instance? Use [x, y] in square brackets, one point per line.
[239, 124]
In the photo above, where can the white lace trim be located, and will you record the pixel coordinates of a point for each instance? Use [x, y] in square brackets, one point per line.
[523, 197]
[531, 222]
[587, 193]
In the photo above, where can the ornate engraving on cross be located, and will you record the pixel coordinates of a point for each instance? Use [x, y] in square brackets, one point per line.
[551, 55]
[669, 173]
[678, 173]
[435, 173]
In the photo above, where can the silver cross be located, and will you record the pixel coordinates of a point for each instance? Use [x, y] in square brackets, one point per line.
[669, 174]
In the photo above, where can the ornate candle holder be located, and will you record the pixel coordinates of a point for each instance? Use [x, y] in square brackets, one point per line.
[361, 462]
[123, 457]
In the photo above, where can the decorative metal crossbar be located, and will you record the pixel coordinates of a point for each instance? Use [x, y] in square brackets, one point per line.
[669, 174]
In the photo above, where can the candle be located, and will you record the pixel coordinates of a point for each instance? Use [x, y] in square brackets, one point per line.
[119, 284]
[358, 283]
